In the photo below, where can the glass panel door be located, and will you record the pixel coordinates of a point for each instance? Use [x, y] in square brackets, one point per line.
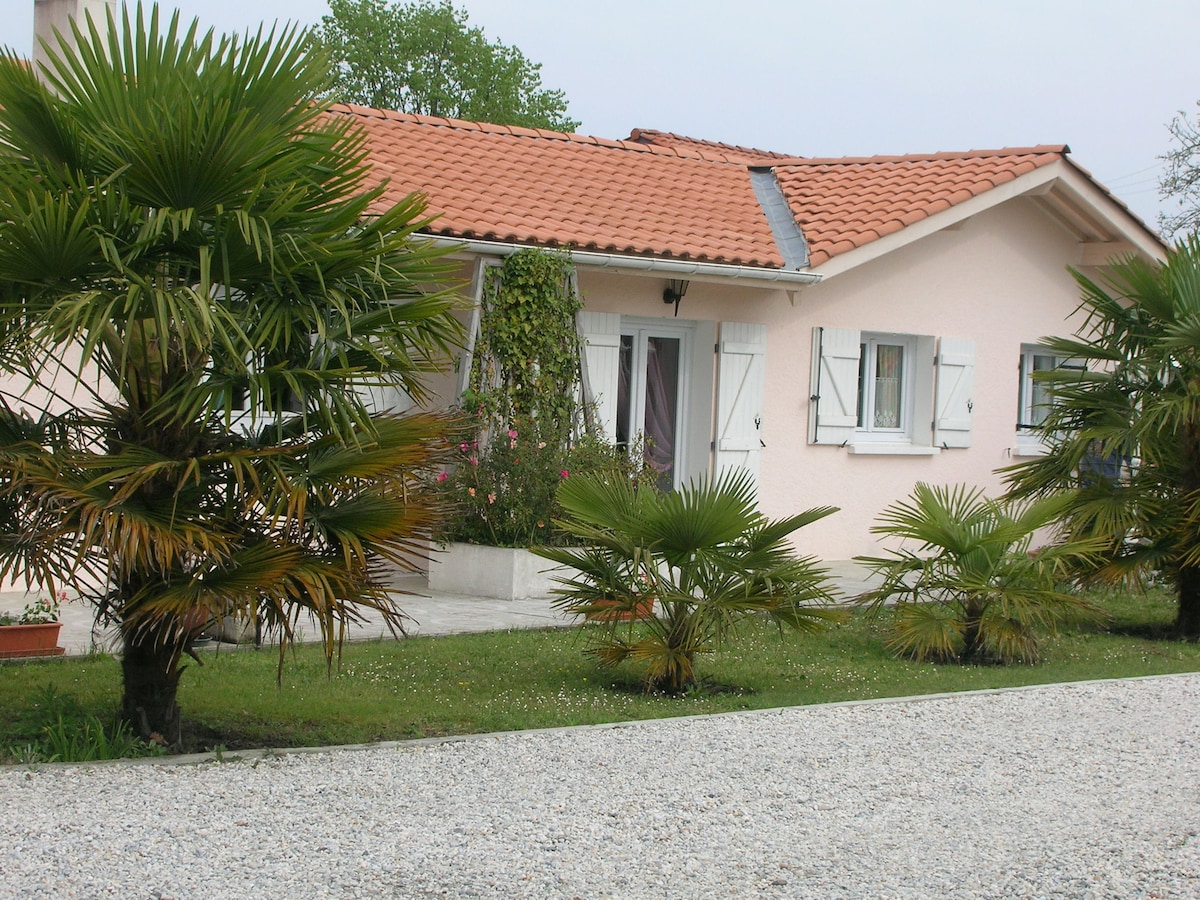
[649, 397]
[661, 422]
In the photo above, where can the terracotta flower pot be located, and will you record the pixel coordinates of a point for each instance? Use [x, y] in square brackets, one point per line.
[643, 609]
[30, 640]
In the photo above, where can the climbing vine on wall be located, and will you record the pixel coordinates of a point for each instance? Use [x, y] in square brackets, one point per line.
[526, 363]
[523, 410]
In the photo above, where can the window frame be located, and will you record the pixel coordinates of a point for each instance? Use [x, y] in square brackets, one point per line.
[868, 367]
[1027, 386]
[1028, 440]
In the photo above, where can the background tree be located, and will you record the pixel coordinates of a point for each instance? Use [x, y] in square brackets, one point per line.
[1124, 431]
[423, 58]
[1181, 179]
[190, 284]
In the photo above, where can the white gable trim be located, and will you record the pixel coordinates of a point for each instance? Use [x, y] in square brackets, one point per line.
[1127, 230]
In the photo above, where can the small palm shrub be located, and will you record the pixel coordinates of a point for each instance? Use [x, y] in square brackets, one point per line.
[705, 556]
[973, 590]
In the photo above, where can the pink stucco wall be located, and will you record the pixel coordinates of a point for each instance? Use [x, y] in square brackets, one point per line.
[999, 278]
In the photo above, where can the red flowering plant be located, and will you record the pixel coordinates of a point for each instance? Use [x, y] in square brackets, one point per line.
[41, 611]
[503, 493]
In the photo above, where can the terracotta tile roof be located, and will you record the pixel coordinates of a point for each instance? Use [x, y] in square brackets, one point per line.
[706, 149]
[664, 195]
[842, 204]
[518, 185]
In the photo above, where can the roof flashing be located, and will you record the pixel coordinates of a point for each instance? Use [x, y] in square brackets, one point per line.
[789, 237]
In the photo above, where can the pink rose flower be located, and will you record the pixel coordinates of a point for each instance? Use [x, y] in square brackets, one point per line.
[564, 474]
[442, 477]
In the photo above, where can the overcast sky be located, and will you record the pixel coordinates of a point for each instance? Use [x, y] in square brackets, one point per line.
[857, 78]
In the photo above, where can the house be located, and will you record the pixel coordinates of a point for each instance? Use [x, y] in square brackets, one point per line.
[842, 328]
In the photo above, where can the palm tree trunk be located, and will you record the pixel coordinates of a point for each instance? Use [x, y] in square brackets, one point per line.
[971, 636]
[150, 672]
[680, 641]
[1187, 618]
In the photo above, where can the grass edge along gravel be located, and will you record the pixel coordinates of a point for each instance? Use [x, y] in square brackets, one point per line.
[254, 756]
[437, 688]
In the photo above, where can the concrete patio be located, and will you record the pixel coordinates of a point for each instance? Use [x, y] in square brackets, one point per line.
[430, 613]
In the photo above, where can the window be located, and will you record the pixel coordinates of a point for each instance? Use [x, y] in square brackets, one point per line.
[660, 377]
[876, 392]
[639, 375]
[1033, 397]
[884, 396]
[1034, 401]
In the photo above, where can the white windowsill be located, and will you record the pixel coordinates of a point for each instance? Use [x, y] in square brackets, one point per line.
[1029, 448]
[884, 448]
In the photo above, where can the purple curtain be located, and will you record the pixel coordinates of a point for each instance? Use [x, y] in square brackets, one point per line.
[662, 399]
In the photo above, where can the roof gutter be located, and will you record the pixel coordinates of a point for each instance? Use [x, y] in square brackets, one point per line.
[624, 263]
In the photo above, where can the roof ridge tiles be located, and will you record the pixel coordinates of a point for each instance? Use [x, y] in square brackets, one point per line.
[726, 152]
[535, 133]
[717, 151]
[941, 156]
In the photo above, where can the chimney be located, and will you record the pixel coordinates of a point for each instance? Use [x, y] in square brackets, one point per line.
[49, 15]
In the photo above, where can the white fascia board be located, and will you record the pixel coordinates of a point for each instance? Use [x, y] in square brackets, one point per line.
[692, 270]
[1119, 221]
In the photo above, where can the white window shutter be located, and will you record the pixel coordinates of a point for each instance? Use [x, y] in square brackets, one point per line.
[955, 392]
[741, 386]
[601, 362]
[833, 406]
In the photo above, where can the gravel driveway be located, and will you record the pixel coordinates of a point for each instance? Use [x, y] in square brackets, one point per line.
[1075, 791]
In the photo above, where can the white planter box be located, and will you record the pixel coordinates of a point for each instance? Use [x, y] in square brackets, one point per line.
[501, 573]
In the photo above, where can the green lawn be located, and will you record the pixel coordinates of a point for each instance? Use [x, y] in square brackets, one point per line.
[461, 684]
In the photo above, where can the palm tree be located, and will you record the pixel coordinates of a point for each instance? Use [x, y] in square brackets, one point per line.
[196, 294]
[703, 553]
[971, 588]
[1123, 428]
